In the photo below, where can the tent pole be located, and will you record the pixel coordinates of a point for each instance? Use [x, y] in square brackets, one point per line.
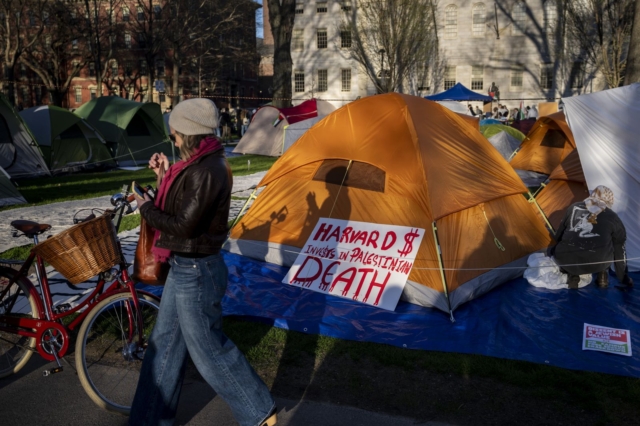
[533, 200]
[542, 186]
[252, 197]
[434, 228]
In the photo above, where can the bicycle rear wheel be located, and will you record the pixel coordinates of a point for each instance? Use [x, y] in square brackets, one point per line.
[15, 350]
[108, 353]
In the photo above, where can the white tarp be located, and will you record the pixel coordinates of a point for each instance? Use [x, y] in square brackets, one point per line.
[606, 127]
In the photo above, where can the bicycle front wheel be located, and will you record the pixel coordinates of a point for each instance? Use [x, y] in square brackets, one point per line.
[15, 350]
[109, 352]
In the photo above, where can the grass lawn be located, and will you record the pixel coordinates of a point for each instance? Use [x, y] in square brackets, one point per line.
[79, 186]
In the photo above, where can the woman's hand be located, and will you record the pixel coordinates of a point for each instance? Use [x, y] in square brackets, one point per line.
[156, 161]
[142, 201]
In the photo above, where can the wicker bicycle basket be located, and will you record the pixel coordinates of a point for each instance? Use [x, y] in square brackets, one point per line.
[82, 251]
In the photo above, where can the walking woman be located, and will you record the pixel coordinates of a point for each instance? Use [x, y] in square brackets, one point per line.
[190, 215]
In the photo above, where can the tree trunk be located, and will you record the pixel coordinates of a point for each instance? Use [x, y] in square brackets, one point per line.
[175, 77]
[281, 18]
[632, 74]
[55, 96]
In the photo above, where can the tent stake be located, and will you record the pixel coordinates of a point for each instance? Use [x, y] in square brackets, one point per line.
[440, 264]
[533, 200]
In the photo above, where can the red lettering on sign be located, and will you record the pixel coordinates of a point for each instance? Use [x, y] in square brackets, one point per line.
[389, 240]
[373, 237]
[345, 234]
[346, 277]
[323, 232]
[381, 286]
[365, 272]
[324, 283]
[335, 234]
[306, 281]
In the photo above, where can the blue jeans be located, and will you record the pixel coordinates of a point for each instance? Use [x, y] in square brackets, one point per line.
[190, 320]
[245, 127]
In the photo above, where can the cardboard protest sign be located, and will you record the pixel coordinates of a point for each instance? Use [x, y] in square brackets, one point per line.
[367, 262]
[605, 339]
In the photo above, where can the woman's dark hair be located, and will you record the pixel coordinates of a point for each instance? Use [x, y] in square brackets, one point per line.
[189, 144]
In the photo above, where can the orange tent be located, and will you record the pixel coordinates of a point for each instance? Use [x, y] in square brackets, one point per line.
[401, 160]
[566, 185]
[548, 142]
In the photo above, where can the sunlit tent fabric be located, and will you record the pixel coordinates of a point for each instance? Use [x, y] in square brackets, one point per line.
[266, 133]
[67, 142]
[505, 144]
[400, 160]
[459, 93]
[9, 194]
[20, 155]
[607, 129]
[133, 130]
[546, 145]
[491, 129]
[566, 185]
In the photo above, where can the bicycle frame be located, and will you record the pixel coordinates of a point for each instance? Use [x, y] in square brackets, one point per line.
[49, 319]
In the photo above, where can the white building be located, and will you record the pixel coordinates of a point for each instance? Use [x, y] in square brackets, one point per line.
[513, 43]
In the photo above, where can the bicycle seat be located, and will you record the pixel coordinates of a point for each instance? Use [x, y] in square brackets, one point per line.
[29, 228]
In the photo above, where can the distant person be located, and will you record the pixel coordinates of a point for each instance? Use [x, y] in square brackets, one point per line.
[478, 111]
[225, 122]
[533, 113]
[244, 115]
[590, 237]
[493, 91]
[471, 111]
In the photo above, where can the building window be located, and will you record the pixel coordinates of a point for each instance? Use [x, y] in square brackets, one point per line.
[299, 8]
[577, 75]
[74, 44]
[346, 7]
[517, 74]
[346, 80]
[550, 16]
[128, 68]
[92, 93]
[127, 40]
[114, 68]
[45, 18]
[345, 39]
[162, 97]
[23, 70]
[26, 96]
[322, 80]
[322, 38]
[298, 82]
[451, 21]
[32, 19]
[297, 40]
[140, 12]
[321, 7]
[143, 67]
[449, 77]
[477, 77]
[38, 95]
[92, 69]
[47, 41]
[141, 41]
[546, 76]
[78, 95]
[157, 11]
[479, 16]
[160, 68]
[519, 17]
[125, 14]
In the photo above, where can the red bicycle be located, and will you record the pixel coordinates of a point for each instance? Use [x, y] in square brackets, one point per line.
[113, 322]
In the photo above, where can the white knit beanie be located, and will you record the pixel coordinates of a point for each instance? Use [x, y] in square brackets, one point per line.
[194, 117]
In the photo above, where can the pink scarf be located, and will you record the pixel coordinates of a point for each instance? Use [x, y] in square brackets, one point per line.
[207, 145]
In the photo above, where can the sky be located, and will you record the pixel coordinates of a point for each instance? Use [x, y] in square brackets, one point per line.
[259, 28]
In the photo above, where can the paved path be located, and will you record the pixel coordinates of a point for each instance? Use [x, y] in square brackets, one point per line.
[60, 215]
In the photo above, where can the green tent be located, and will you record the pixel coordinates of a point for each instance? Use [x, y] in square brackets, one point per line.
[9, 194]
[133, 130]
[67, 142]
[20, 155]
[489, 130]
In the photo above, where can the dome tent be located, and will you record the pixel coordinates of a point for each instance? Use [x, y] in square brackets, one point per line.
[67, 141]
[439, 174]
[20, 155]
[266, 133]
[9, 194]
[133, 130]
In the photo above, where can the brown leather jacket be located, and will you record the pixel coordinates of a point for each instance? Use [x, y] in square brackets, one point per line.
[196, 210]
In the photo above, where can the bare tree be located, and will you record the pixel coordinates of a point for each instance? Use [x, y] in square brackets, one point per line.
[281, 18]
[394, 41]
[57, 56]
[21, 25]
[600, 29]
[633, 60]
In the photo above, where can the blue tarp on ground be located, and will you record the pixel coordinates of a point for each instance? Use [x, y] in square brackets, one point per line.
[459, 93]
[514, 321]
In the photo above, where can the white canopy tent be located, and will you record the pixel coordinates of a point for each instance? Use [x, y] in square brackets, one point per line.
[606, 127]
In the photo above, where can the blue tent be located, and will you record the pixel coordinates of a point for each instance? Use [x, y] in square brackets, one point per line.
[459, 93]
